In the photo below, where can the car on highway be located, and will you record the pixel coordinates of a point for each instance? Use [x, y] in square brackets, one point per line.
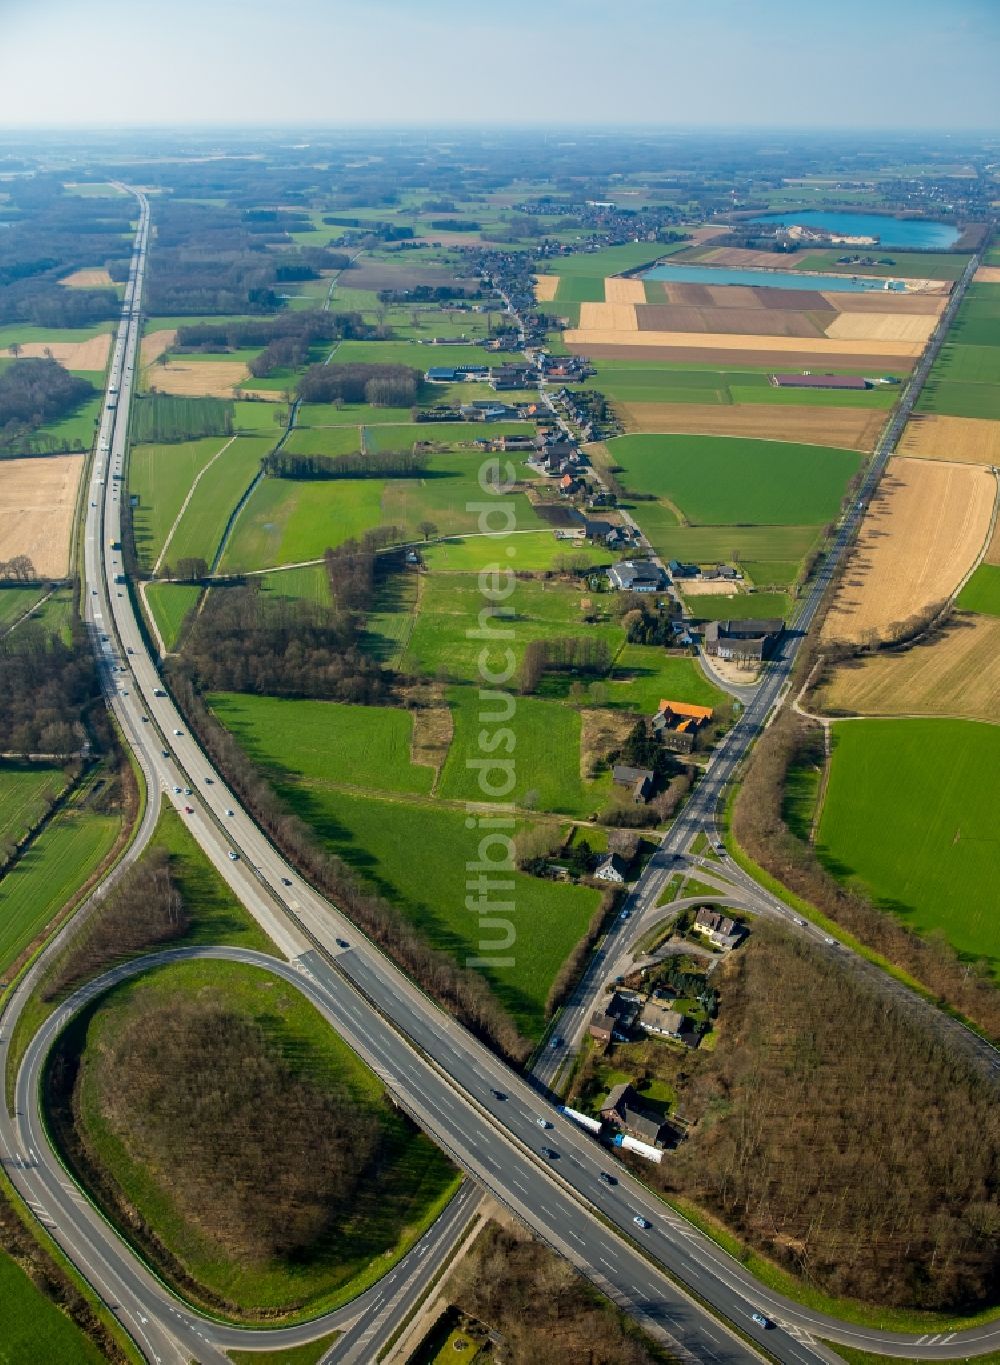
[144, 718]
[187, 791]
[625, 915]
[543, 1123]
[342, 943]
[177, 791]
[233, 856]
[608, 1178]
[555, 1043]
[498, 1094]
[641, 1222]
[720, 848]
[164, 753]
[208, 781]
[761, 1320]
[549, 1153]
[229, 812]
[177, 732]
[829, 941]
[800, 922]
[286, 881]
[189, 810]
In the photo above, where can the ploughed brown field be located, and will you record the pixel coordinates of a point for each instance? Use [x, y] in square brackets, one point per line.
[923, 533]
[967, 440]
[955, 674]
[668, 317]
[845, 428]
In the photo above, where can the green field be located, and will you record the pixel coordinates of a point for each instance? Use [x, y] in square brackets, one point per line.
[543, 754]
[912, 810]
[739, 606]
[915, 265]
[611, 260]
[259, 418]
[327, 742]
[308, 584]
[527, 552]
[161, 477]
[717, 480]
[417, 856]
[14, 602]
[964, 382]
[391, 1211]
[982, 592]
[348, 415]
[634, 382]
[579, 289]
[410, 353]
[644, 675]
[33, 1328]
[402, 436]
[204, 521]
[169, 604]
[73, 433]
[716, 544]
[340, 440]
[56, 863]
[27, 790]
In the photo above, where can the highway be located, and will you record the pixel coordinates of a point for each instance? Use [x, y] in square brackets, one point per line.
[480, 1111]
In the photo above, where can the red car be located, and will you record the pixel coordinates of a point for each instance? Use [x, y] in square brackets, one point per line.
[189, 810]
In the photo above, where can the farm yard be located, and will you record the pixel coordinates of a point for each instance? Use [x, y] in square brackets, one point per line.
[924, 530]
[38, 498]
[912, 811]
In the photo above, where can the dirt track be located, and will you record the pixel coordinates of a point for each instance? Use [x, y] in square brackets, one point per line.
[922, 534]
[955, 675]
[847, 428]
[37, 502]
[967, 440]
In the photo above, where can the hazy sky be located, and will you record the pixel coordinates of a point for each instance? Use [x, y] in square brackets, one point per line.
[855, 63]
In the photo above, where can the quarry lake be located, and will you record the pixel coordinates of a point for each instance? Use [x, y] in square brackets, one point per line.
[897, 234]
[776, 279]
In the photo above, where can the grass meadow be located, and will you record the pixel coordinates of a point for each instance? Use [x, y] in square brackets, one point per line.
[32, 1327]
[204, 521]
[782, 545]
[160, 476]
[633, 382]
[27, 790]
[169, 604]
[527, 551]
[14, 602]
[912, 811]
[739, 606]
[717, 480]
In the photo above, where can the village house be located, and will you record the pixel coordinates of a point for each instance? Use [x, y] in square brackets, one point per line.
[677, 724]
[751, 640]
[639, 779]
[622, 1110]
[658, 1019]
[725, 572]
[610, 869]
[719, 929]
[637, 575]
[677, 569]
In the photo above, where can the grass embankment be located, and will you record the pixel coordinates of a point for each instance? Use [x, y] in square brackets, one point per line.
[33, 1328]
[169, 604]
[243, 1224]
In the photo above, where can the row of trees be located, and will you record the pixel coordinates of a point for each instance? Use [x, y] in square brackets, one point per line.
[19, 569]
[394, 464]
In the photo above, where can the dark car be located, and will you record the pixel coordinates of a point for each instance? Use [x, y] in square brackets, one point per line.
[286, 881]
[498, 1094]
[550, 1153]
[608, 1178]
[342, 943]
[189, 810]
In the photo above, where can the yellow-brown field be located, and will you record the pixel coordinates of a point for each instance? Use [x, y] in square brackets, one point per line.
[992, 555]
[967, 440]
[92, 278]
[37, 503]
[845, 428]
[545, 287]
[988, 274]
[924, 531]
[203, 379]
[624, 291]
[609, 317]
[882, 327]
[956, 674]
[155, 343]
[75, 355]
[829, 347]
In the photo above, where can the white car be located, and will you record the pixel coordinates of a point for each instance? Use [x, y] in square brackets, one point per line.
[177, 732]
[543, 1123]
[641, 1222]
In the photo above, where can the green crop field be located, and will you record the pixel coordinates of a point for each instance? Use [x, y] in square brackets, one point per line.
[417, 856]
[327, 742]
[410, 353]
[58, 862]
[169, 604]
[544, 757]
[259, 418]
[613, 259]
[341, 440]
[718, 480]
[914, 265]
[982, 592]
[286, 521]
[912, 811]
[393, 1206]
[27, 790]
[579, 289]
[26, 331]
[33, 1328]
[161, 477]
[216, 497]
[713, 544]
[967, 364]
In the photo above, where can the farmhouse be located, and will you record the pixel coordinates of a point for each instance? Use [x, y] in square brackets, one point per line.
[676, 569]
[639, 779]
[610, 869]
[819, 381]
[637, 575]
[752, 639]
[677, 724]
[726, 572]
[719, 929]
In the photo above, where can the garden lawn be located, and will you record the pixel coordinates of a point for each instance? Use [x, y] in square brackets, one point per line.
[33, 1328]
[217, 496]
[52, 868]
[27, 790]
[160, 476]
[645, 675]
[542, 755]
[169, 604]
[739, 606]
[417, 856]
[326, 742]
[389, 1212]
[912, 810]
[982, 592]
[718, 480]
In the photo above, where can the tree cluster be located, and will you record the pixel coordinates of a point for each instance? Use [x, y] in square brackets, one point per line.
[384, 464]
[838, 1132]
[393, 386]
[142, 908]
[352, 569]
[644, 625]
[45, 683]
[759, 826]
[33, 392]
[308, 325]
[246, 640]
[583, 656]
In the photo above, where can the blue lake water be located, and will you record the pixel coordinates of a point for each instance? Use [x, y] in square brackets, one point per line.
[776, 279]
[896, 234]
